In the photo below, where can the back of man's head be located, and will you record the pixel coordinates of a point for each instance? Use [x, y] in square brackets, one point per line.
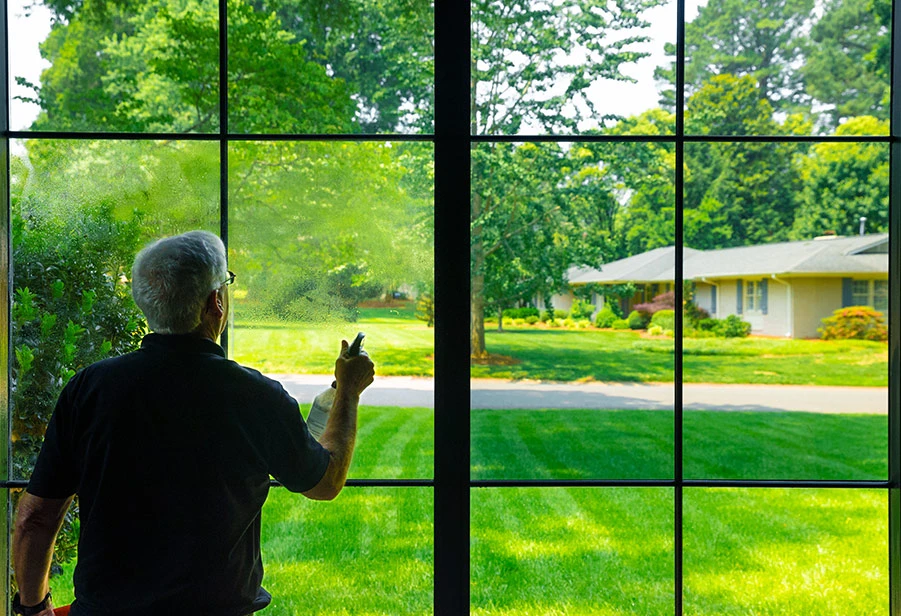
[172, 278]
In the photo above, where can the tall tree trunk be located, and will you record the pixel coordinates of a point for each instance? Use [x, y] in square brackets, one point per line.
[500, 319]
[477, 299]
[477, 318]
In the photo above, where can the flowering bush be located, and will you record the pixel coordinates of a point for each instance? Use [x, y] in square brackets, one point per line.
[854, 323]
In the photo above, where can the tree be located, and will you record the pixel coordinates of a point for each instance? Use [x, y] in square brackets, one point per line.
[844, 181]
[532, 63]
[763, 39]
[739, 193]
[838, 71]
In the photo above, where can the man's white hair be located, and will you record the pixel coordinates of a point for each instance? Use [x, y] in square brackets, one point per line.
[172, 278]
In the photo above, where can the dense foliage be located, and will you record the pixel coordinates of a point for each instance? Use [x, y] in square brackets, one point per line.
[854, 323]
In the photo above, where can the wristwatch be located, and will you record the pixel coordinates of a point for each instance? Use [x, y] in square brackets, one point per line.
[31, 610]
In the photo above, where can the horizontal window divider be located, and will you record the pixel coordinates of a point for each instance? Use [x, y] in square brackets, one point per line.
[683, 138]
[671, 483]
[331, 137]
[104, 136]
[379, 483]
[785, 483]
[113, 136]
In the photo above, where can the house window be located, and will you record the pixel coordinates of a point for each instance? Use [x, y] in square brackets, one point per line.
[753, 296]
[872, 293]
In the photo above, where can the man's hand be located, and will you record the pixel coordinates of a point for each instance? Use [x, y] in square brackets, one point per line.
[353, 374]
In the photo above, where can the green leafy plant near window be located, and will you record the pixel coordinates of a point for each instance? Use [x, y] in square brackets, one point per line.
[72, 306]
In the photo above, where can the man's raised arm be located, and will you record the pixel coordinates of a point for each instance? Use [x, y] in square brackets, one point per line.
[353, 375]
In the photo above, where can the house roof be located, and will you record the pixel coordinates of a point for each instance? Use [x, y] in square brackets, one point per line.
[862, 254]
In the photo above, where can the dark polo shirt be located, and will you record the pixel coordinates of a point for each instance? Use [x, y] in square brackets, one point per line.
[170, 449]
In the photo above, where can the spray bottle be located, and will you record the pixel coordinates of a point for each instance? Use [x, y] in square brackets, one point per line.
[322, 404]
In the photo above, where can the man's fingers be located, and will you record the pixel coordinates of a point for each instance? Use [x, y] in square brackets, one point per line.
[344, 346]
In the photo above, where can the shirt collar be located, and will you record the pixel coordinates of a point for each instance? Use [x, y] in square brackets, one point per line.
[181, 343]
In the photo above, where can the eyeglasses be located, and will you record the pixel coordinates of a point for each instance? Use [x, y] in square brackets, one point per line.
[230, 279]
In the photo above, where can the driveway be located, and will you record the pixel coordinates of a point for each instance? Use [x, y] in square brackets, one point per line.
[499, 394]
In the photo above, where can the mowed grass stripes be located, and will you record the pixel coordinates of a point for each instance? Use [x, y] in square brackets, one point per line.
[595, 551]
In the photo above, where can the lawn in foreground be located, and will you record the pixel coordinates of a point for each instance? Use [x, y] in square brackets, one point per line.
[401, 345]
[598, 551]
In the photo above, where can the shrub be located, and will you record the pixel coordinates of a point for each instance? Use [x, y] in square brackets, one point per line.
[664, 301]
[605, 317]
[854, 323]
[521, 313]
[554, 322]
[531, 320]
[425, 309]
[547, 315]
[665, 319]
[669, 333]
[581, 309]
[708, 324]
[700, 333]
[583, 323]
[733, 327]
[72, 307]
[518, 321]
[693, 314]
[638, 320]
[568, 322]
[620, 324]
[655, 330]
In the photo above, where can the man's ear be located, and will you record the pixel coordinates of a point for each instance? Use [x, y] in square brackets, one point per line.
[214, 304]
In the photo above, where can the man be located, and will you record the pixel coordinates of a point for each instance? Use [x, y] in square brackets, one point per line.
[170, 450]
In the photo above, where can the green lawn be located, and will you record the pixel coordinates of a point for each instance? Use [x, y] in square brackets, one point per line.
[597, 551]
[401, 345]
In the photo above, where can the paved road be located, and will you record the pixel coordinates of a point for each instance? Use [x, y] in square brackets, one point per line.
[496, 393]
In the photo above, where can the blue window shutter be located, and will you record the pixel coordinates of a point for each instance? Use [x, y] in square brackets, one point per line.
[738, 297]
[764, 296]
[712, 300]
[847, 296]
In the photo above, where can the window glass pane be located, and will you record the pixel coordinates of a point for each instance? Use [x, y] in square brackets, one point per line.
[81, 210]
[303, 67]
[787, 68]
[860, 290]
[370, 551]
[331, 239]
[774, 233]
[765, 551]
[572, 551]
[571, 252]
[560, 67]
[111, 67]
[880, 295]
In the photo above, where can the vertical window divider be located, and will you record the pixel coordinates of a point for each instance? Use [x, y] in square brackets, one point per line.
[5, 287]
[894, 324]
[223, 139]
[452, 304]
[678, 291]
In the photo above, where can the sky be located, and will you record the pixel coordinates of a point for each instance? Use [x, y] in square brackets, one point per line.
[27, 31]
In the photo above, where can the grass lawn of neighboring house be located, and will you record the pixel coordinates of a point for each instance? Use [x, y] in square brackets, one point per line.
[782, 289]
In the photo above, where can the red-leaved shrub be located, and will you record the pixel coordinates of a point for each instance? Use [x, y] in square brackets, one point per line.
[854, 323]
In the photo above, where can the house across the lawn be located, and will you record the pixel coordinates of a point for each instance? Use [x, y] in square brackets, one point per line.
[783, 289]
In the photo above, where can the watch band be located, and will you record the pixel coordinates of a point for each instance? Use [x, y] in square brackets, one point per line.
[30, 610]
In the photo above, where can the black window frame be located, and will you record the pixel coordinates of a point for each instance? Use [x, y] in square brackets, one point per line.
[452, 141]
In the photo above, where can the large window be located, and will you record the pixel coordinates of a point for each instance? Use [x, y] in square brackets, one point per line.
[619, 382]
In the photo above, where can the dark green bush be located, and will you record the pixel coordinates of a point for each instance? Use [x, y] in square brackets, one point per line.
[708, 324]
[620, 324]
[72, 306]
[531, 320]
[547, 315]
[521, 313]
[638, 320]
[605, 317]
[665, 319]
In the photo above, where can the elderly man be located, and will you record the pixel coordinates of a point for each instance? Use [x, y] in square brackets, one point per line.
[170, 450]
